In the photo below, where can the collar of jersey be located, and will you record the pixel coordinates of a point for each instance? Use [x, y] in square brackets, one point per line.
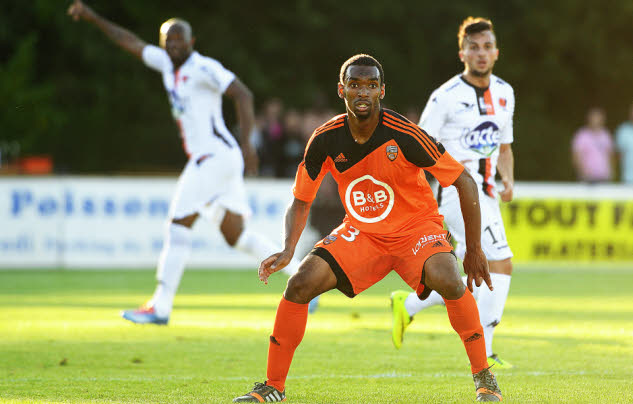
[461, 76]
[189, 59]
[349, 132]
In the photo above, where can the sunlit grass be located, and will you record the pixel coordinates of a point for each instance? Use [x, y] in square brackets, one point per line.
[62, 340]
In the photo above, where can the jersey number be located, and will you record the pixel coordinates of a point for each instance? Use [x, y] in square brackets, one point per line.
[353, 232]
[490, 231]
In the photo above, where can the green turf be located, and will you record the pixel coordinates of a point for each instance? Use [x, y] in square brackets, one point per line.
[569, 333]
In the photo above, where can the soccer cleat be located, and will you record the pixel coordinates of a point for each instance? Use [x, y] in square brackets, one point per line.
[144, 315]
[499, 363]
[314, 305]
[401, 318]
[486, 386]
[262, 393]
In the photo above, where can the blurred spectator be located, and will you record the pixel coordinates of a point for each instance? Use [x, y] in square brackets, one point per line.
[413, 114]
[294, 144]
[624, 144]
[312, 118]
[592, 149]
[272, 131]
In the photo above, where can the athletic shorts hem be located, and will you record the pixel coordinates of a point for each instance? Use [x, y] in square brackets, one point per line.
[342, 281]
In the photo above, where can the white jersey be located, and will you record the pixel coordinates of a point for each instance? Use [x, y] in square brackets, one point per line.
[471, 123]
[195, 93]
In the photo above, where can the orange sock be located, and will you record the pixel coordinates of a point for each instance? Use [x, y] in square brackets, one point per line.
[290, 325]
[464, 318]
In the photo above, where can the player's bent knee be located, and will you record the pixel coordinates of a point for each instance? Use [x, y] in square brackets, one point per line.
[232, 228]
[299, 289]
[441, 275]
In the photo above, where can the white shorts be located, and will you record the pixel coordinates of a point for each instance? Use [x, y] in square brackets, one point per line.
[493, 234]
[209, 185]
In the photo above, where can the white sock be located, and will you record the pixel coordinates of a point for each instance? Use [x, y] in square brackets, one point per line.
[475, 287]
[491, 304]
[414, 305]
[171, 265]
[260, 248]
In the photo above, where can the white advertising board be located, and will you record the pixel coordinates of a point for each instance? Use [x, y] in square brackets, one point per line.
[113, 222]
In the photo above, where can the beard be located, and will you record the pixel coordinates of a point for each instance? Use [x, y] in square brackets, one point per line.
[477, 73]
[365, 115]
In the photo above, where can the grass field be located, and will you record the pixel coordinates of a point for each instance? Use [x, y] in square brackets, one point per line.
[569, 333]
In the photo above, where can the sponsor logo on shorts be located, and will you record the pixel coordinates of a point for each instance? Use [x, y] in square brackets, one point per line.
[369, 200]
[484, 139]
[424, 240]
[392, 152]
[329, 239]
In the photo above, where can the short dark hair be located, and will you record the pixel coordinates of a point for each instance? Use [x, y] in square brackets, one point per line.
[471, 26]
[361, 60]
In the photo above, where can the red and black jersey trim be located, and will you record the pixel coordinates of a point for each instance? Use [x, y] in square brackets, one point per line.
[485, 169]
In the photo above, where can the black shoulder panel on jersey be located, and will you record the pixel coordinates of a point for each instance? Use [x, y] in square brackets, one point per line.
[316, 155]
[417, 146]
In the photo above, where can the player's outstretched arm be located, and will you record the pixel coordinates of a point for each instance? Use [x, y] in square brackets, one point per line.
[475, 262]
[119, 35]
[505, 166]
[294, 223]
[243, 99]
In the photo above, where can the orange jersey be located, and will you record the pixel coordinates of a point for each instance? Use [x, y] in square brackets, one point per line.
[381, 182]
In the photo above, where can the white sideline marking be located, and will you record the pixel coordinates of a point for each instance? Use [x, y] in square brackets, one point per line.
[390, 375]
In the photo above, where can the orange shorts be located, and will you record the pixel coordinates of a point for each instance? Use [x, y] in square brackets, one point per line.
[360, 260]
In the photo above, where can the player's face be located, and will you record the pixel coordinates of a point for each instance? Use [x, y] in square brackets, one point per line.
[362, 91]
[479, 53]
[178, 44]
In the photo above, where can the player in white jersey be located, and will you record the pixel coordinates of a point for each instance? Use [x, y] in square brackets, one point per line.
[212, 184]
[471, 115]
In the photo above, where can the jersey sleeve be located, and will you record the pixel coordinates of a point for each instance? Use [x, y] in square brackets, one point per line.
[311, 171]
[216, 76]
[507, 133]
[427, 153]
[155, 58]
[434, 114]
[446, 170]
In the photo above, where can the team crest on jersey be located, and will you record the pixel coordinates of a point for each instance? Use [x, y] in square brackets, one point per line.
[329, 239]
[503, 102]
[392, 152]
[484, 139]
[369, 200]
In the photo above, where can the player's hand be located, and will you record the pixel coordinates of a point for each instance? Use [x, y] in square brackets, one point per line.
[251, 161]
[78, 10]
[507, 192]
[272, 264]
[476, 268]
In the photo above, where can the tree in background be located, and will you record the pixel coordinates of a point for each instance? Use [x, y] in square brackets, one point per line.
[560, 56]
